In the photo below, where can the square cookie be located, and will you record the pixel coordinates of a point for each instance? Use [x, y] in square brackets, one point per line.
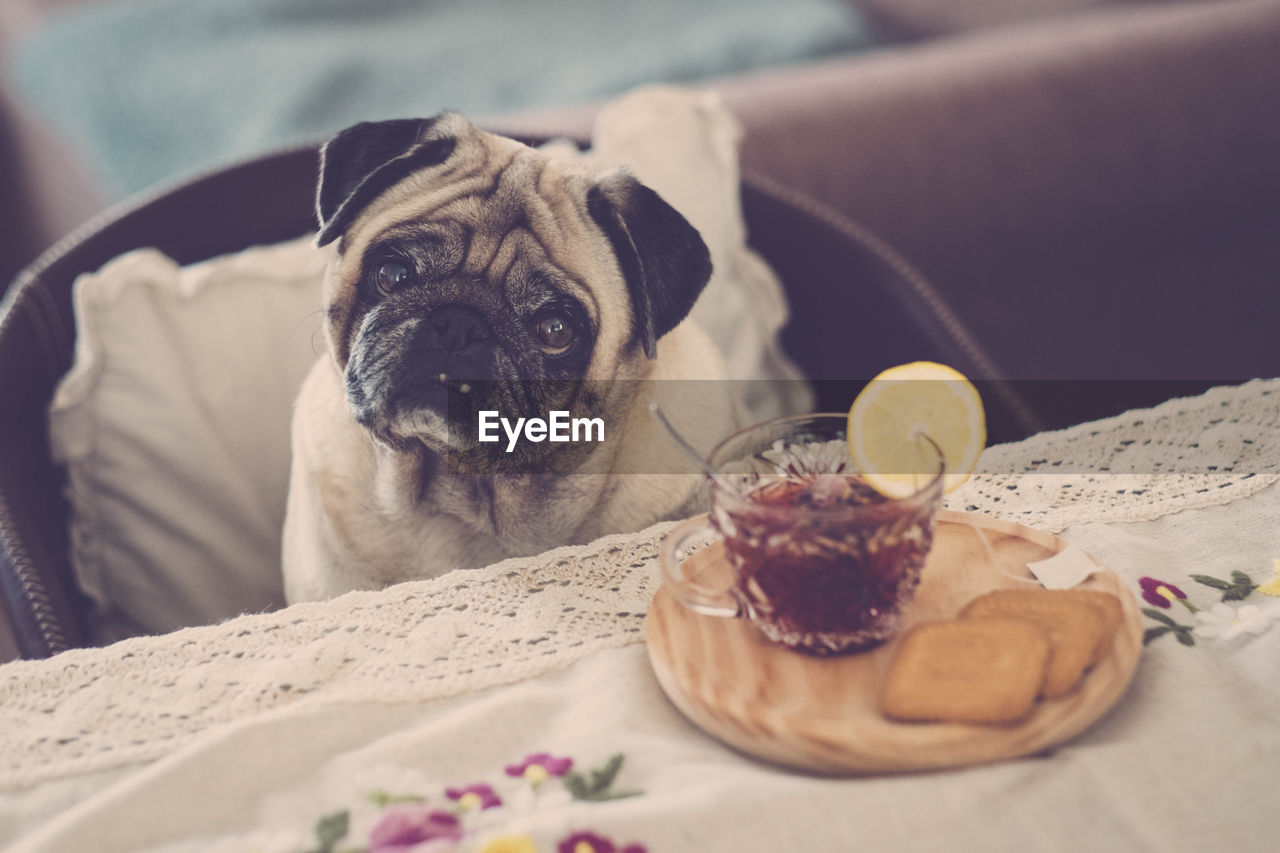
[976, 671]
[1075, 628]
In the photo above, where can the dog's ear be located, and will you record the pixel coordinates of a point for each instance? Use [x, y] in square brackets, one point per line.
[663, 258]
[364, 160]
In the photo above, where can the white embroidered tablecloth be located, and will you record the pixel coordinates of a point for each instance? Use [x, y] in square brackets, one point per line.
[480, 711]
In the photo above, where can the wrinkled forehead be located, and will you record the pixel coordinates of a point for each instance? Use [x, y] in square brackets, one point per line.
[488, 188]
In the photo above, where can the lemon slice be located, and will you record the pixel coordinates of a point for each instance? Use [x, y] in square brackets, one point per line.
[900, 405]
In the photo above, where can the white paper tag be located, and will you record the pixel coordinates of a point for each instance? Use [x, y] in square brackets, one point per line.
[1063, 570]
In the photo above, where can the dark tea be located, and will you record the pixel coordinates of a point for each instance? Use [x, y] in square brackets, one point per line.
[823, 562]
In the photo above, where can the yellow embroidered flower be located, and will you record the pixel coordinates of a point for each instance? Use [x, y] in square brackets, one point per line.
[1272, 587]
[510, 844]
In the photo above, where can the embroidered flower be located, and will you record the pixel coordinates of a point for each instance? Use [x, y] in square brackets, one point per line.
[479, 796]
[1224, 622]
[597, 786]
[510, 844]
[1240, 587]
[1167, 625]
[589, 842]
[1163, 594]
[527, 799]
[407, 828]
[1272, 587]
[538, 766]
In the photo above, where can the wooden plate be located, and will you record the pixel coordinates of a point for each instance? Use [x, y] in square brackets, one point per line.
[821, 713]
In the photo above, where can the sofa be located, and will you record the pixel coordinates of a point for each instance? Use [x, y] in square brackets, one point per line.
[1065, 179]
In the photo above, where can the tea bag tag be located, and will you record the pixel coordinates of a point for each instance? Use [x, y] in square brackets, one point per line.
[1063, 570]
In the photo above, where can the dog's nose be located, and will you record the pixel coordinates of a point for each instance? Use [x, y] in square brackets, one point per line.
[458, 327]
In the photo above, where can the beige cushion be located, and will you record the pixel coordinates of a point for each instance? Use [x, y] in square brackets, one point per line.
[173, 426]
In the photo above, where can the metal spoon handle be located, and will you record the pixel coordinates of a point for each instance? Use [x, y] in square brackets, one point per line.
[689, 448]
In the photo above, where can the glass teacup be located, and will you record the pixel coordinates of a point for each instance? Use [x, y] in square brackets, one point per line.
[818, 560]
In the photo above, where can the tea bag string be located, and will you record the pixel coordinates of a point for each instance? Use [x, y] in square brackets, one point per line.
[991, 555]
[917, 434]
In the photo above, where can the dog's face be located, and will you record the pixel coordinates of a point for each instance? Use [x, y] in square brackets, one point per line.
[470, 264]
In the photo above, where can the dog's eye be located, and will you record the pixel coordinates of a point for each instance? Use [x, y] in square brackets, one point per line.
[556, 332]
[389, 275]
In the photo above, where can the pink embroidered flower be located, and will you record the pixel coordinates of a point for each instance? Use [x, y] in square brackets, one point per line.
[589, 842]
[1159, 593]
[479, 796]
[404, 828]
[538, 766]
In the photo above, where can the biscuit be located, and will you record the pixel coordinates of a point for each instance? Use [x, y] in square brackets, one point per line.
[1112, 614]
[1075, 629]
[973, 671]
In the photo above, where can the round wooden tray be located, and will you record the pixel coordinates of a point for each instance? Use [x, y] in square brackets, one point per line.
[822, 713]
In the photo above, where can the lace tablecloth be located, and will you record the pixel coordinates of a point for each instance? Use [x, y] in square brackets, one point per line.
[426, 681]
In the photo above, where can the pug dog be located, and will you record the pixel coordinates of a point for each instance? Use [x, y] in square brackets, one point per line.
[472, 273]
